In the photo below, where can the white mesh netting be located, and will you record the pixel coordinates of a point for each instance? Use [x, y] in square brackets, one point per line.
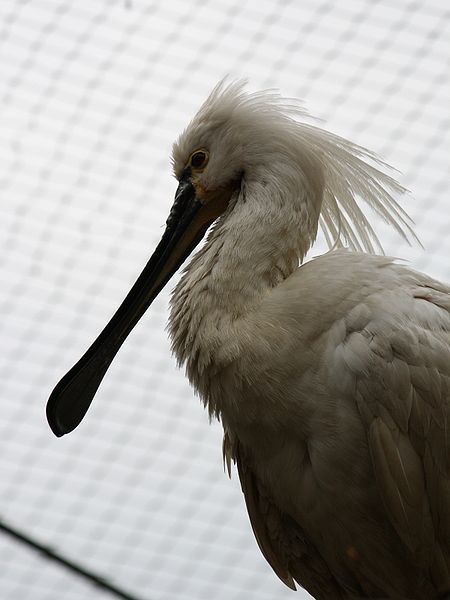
[92, 96]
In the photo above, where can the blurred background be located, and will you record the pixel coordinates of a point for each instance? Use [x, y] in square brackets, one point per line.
[92, 95]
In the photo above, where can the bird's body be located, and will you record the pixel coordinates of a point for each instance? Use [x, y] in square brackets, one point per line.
[331, 379]
[316, 420]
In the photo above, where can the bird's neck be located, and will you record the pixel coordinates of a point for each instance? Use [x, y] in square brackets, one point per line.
[250, 251]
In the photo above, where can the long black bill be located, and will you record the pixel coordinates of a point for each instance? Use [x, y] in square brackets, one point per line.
[187, 223]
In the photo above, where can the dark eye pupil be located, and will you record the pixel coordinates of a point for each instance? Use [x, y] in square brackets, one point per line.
[198, 159]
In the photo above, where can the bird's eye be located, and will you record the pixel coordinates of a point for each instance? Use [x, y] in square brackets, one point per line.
[199, 159]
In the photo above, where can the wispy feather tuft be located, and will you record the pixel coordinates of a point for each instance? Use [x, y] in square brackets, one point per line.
[350, 178]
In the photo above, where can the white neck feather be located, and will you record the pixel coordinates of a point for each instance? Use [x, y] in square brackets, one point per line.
[255, 245]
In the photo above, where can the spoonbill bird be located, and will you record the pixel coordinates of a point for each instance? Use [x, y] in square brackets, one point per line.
[332, 378]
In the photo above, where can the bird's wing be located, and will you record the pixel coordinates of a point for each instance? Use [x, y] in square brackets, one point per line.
[402, 385]
[279, 538]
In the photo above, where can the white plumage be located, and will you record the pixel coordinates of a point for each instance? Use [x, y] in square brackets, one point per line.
[331, 379]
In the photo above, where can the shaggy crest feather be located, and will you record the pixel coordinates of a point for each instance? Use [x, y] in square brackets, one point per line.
[352, 174]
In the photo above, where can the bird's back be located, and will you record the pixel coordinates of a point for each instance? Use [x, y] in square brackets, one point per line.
[361, 395]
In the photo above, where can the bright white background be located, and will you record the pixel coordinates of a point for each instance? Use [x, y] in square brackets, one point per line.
[92, 95]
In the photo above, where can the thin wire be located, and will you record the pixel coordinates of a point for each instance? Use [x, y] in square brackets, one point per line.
[72, 566]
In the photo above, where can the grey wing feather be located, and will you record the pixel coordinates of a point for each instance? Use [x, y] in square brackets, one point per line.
[258, 511]
[404, 400]
[280, 539]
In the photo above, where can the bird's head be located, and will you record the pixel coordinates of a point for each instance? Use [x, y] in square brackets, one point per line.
[239, 137]
[219, 144]
[237, 141]
[259, 139]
